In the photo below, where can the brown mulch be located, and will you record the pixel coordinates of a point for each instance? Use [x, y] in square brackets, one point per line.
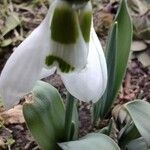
[136, 84]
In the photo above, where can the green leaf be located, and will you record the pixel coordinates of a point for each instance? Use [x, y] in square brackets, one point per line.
[127, 134]
[140, 113]
[45, 116]
[75, 120]
[107, 130]
[71, 118]
[93, 141]
[112, 43]
[117, 53]
[137, 144]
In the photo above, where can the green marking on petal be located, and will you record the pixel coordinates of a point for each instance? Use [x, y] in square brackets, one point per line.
[64, 27]
[85, 24]
[64, 66]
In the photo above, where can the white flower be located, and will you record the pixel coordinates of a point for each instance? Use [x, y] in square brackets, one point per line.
[66, 41]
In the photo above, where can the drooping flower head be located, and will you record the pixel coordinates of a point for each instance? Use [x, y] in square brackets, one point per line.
[66, 41]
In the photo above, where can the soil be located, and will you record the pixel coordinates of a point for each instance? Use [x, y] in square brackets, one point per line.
[136, 84]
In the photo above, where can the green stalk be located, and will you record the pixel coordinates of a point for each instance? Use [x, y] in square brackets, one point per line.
[70, 101]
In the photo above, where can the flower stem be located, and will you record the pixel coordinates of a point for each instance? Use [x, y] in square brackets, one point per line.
[68, 117]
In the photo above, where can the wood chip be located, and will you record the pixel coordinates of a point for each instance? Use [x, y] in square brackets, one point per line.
[13, 116]
[138, 46]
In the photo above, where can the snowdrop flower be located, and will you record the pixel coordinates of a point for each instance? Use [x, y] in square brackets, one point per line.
[66, 41]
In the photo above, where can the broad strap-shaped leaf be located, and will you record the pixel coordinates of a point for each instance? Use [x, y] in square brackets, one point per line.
[45, 116]
[71, 118]
[75, 122]
[137, 144]
[117, 53]
[140, 113]
[128, 134]
[100, 106]
[93, 141]
[124, 39]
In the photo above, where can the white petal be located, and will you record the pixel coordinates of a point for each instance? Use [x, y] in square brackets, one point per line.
[90, 83]
[73, 54]
[47, 72]
[24, 66]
